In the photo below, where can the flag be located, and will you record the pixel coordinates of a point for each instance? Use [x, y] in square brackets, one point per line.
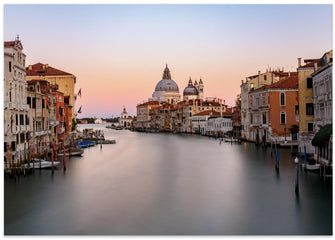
[47, 101]
[79, 93]
[79, 111]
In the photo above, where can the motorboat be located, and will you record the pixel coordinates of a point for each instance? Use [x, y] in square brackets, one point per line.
[35, 163]
[108, 142]
[312, 167]
[73, 152]
[83, 144]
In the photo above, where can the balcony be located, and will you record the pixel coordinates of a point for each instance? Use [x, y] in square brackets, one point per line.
[54, 123]
[42, 132]
[12, 105]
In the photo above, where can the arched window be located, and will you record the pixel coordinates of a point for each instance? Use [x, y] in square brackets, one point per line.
[282, 117]
[282, 99]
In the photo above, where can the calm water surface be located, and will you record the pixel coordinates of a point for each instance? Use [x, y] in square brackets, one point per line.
[168, 184]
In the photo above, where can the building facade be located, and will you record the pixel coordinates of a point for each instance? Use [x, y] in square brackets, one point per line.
[16, 121]
[65, 81]
[306, 104]
[125, 120]
[273, 111]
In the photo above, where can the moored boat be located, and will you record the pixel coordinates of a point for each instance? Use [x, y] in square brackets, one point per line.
[108, 142]
[35, 163]
[73, 152]
[312, 167]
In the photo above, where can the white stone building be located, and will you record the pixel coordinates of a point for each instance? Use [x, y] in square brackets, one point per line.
[220, 124]
[322, 90]
[125, 120]
[16, 121]
[199, 120]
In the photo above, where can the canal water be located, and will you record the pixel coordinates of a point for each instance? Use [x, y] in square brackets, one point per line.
[168, 184]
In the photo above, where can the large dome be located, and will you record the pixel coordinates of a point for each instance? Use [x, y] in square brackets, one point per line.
[167, 85]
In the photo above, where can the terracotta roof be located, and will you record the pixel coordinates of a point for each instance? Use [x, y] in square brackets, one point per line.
[149, 103]
[310, 63]
[9, 44]
[37, 70]
[207, 112]
[283, 74]
[155, 107]
[287, 83]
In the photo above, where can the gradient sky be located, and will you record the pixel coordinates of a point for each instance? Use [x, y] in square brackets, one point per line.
[118, 52]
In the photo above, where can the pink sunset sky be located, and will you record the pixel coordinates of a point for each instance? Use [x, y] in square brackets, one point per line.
[118, 52]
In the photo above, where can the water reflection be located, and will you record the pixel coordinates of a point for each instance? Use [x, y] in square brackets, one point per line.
[169, 184]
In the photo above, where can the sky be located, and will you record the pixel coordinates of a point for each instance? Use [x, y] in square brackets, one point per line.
[118, 52]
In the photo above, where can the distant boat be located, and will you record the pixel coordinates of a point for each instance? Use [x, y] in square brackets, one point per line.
[83, 144]
[230, 139]
[108, 142]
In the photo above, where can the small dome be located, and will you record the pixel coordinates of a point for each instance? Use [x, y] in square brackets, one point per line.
[190, 89]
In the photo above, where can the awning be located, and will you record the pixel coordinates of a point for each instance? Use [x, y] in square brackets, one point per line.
[322, 137]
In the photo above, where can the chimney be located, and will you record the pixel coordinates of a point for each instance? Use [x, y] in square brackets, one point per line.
[242, 81]
[259, 72]
[289, 74]
[46, 65]
[30, 67]
[315, 66]
[299, 62]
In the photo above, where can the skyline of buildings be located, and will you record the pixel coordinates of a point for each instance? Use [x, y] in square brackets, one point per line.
[116, 51]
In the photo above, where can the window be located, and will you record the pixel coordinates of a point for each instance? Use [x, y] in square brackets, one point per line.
[282, 99]
[43, 103]
[5, 147]
[282, 118]
[297, 112]
[10, 66]
[21, 119]
[34, 103]
[264, 77]
[17, 119]
[310, 127]
[264, 117]
[309, 82]
[27, 120]
[13, 146]
[309, 109]
[29, 101]
[22, 135]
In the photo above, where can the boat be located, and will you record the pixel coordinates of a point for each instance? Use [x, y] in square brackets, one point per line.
[230, 139]
[108, 142]
[312, 167]
[83, 144]
[74, 152]
[35, 163]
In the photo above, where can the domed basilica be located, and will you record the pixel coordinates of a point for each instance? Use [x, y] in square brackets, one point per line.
[167, 90]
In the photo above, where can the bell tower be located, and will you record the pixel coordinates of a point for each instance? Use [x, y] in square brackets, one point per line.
[200, 89]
